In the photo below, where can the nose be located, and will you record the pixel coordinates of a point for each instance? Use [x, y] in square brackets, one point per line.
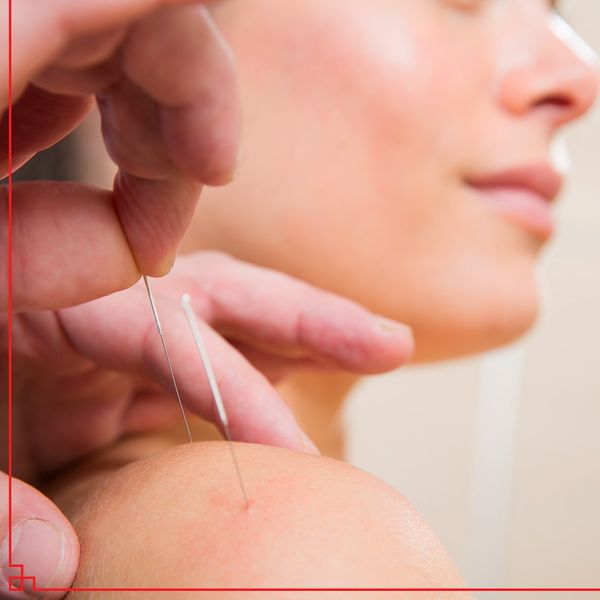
[559, 79]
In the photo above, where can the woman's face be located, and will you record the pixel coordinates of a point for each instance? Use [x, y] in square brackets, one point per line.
[399, 152]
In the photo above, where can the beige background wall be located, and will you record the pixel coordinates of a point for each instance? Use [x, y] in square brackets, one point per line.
[502, 453]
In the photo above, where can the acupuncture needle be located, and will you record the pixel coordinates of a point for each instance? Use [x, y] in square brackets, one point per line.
[166, 353]
[212, 382]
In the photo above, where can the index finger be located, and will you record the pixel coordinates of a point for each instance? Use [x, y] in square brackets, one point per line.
[117, 332]
[286, 317]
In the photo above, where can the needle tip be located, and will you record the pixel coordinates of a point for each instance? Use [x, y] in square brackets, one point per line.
[185, 299]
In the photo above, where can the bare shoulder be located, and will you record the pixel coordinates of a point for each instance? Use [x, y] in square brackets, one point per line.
[177, 519]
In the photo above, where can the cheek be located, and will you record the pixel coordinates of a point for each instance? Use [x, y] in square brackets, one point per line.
[367, 131]
[426, 253]
[376, 107]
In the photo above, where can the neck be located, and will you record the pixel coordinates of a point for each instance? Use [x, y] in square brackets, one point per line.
[317, 400]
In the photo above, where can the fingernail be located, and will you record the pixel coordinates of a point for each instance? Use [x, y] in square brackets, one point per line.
[389, 326]
[308, 444]
[40, 547]
[231, 174]
[167, 265]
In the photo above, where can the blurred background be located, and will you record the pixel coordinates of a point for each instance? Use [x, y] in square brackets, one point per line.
[501, 453]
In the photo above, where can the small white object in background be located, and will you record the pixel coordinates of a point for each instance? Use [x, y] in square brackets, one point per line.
[497, 421]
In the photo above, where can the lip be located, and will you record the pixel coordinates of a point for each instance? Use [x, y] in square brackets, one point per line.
[523, 195]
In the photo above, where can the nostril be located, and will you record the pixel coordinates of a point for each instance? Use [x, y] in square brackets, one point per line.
[557, 102]
[570, 100]
[558, 109]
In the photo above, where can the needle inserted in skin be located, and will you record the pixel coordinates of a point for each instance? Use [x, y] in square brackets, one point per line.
[164, 345]
[212, 381]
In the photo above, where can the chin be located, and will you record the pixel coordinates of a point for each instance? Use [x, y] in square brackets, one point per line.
[479, 326]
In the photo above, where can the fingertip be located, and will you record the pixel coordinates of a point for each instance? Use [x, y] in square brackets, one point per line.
[375, 345]
[165, 266]
[43, 544]
[154, 216]
[396, 341]
[391, 327]
[203, 141]
[269, 421]
[357, 341]
[399, 334]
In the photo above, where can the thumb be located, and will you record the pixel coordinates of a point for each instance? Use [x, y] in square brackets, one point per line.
[44, 550]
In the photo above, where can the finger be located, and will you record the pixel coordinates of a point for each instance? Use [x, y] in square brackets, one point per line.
[83, 82]
[275, 368]
[40, 119]
[154, 216]
[91, 49]
[118, 332]
[283, 316]
[176, 88]
[73, 243]
[68, 245]
[88, 65]
[154, 202]
[43, 542]
[131, 129]
[154, 141]
[42, 30]
[179, 59]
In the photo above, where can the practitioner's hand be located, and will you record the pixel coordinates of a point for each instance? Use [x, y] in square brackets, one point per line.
[165, 84]
[166, 88]
[86, 376]
[95, 372]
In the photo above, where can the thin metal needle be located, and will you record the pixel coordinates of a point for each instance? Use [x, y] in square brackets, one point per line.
[164, 345]
[212, 382]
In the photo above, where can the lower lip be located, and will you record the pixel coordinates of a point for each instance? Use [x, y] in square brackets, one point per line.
[521, 206]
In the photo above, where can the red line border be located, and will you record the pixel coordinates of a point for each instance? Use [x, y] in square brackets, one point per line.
[327, 589]
[22, 576]
[10, 278]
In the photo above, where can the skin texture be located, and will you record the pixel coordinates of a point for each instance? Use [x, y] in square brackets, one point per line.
[360, 136]
[312, 522]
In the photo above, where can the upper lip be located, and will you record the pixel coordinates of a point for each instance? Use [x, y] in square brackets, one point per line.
[540, 179]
